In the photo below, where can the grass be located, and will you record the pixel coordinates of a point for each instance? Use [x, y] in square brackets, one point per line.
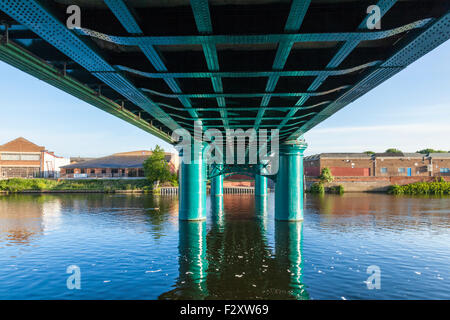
[19, 185]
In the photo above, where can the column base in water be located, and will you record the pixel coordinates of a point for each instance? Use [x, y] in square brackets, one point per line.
[192, 196]
[289, 185]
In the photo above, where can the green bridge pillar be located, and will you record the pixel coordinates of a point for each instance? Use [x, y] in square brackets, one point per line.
[193, 185]
[289, 185]
[217, 182]
[260, 185]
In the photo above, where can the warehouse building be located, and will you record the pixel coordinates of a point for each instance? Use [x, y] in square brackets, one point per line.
[118, 165]
[379, 164]
[21, 158]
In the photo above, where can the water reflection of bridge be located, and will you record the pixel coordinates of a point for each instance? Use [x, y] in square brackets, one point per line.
[209, 267]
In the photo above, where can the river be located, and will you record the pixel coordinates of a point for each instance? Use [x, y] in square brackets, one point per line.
[125, 249]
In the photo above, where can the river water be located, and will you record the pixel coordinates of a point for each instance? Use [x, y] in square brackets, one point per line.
[124, 249]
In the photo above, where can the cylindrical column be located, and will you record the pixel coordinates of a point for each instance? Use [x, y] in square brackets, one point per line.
[193, 184]
[289, 185]
[260, 185]
[217, 181]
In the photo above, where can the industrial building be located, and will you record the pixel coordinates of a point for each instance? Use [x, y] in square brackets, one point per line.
[117, 165]
[379, 164]
[21, 158]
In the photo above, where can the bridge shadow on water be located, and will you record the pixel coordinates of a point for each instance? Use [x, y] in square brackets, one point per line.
[230, 257]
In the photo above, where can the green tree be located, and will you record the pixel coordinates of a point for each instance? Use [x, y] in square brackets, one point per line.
[429, 150]
[326, 175]
[393, 150]
[369, 152]
[156, 168]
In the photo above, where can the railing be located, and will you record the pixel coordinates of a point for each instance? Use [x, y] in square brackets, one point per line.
[169, 190]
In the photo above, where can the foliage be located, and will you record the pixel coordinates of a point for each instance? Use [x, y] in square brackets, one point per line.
[438, 187]
[393, 150]
[326, 175]
[339, 189]
[156, 168]
[317, 188]
[19, 185]
[429, 150]
[369, 152]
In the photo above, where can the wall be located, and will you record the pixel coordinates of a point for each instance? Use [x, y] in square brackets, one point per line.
[419, 166]
[371, 184]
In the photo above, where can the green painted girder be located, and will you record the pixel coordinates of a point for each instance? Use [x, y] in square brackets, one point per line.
[202, 16]
[437, 33]
[245, 95]
[296, 15]
[255, 74]
[18, 57]
[346, 48]
[123, 14]
[254, 39]
[52, 30]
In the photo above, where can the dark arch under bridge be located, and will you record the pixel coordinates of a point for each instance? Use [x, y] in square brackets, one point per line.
[262, 64]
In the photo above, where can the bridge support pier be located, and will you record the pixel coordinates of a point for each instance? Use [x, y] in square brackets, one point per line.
[193, 185]
[289, 185]
[217, 182]
[260, 194]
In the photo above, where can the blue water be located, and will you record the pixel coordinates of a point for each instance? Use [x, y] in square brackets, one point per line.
[127, 250]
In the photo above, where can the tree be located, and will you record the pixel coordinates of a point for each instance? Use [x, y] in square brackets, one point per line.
[393, 150]
[369, 152]
[156, 168]
[429, 150]
[326, 175]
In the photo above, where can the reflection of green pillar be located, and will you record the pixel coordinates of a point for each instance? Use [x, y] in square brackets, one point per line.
[260, 185]
[192, 260]
[288, 250]
[217, 207]
[217, 182]
[193, 185]
[289, 187]
[261, 205]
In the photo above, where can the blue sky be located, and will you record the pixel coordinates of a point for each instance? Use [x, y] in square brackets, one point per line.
[410, 111]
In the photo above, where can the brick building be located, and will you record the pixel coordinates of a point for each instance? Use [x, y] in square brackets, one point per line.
[340, 164]
[379, 164]
[21, 158]
[118, 165]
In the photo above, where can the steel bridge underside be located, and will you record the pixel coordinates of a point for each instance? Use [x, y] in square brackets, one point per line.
[228, 64]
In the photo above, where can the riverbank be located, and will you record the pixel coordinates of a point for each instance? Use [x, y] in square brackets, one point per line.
[74, 186]
[371, 184]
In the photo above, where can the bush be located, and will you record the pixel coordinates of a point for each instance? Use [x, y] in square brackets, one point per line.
[317, 188]
[339, 189]
[440, 187]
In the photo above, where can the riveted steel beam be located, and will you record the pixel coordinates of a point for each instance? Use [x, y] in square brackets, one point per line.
[126, 18]
[34, 16]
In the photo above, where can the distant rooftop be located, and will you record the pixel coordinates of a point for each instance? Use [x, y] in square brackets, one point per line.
[132, 159]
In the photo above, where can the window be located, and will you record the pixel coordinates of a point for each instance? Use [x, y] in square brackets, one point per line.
[401, 170]
[30, 157]
[115, 171]
[69, 171]
[10, 156]
[383, 170]
[82, 171]
[18, 156]
[444, 170]
[103, 171]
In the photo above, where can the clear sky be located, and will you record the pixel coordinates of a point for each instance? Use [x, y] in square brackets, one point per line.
[410, 111]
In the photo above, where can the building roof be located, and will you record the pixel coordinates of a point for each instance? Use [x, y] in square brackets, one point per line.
[133, 159]
[112, 161]
[399, 155]
[21, 145]
[439, 155]
[339, 155]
